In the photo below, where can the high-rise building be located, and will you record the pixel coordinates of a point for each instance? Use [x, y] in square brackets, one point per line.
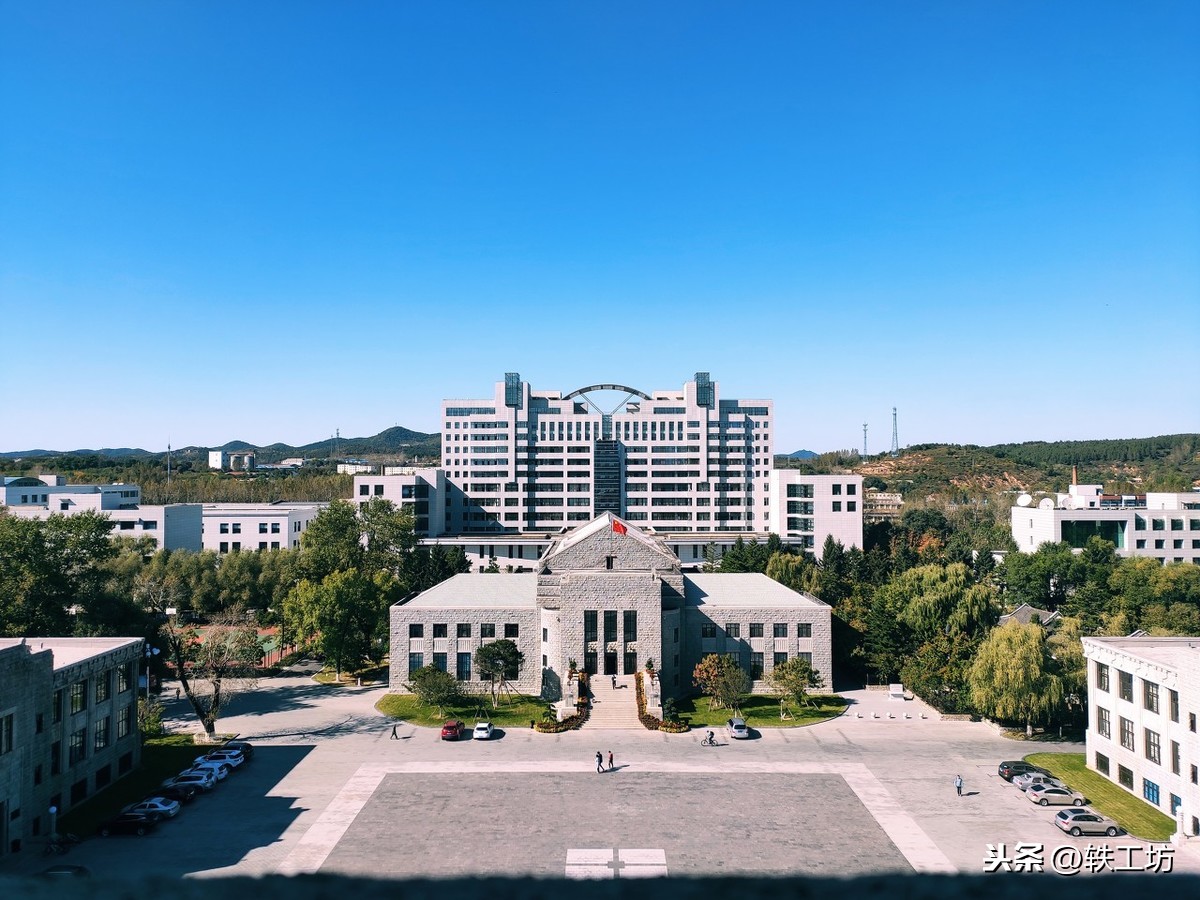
[682, 460]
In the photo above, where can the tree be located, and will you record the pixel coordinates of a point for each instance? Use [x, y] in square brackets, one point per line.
[795, 678]
[434, 687]
[1011, 679]
[721, 678]
[500, 662]
[342, 617]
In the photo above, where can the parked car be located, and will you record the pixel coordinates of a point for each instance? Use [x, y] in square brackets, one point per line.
[1086, 823]
[65, 871]
[452, 730]
[220, 770]
[1048, 795]
[1030, 778]
[231, 758]
[736, 728]
[1011, 768]
[204, 780]
[127, 823]
[156, 808]
[482, 731]
[1073, 812]
[184, 793]
[247, 750]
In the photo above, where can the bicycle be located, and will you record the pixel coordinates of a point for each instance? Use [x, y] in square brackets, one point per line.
[709, 740]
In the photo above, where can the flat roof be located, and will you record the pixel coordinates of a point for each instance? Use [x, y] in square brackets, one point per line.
[479, 590]
[743, 590]
[1170, 652]
[69, 651]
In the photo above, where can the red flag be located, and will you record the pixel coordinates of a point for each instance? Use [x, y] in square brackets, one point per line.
[619, 527]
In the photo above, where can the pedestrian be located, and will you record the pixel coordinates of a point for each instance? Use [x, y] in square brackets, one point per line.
[610, 761]
[176, 693]
[599, 763]
[958, 784]
[614, 682]
[395, 737]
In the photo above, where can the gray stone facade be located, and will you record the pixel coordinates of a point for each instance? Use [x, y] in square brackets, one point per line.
[610, 598]
[68, 728]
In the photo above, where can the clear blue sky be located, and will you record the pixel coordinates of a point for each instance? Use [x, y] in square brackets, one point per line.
[264, 221]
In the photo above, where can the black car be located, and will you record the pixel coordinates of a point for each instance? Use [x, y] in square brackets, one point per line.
[247, 750]
[1011, 768]
[184, 793]
[127, 823]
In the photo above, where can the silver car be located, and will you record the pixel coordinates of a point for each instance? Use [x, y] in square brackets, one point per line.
[1048, 795]
[1030, 778]
[736, 728]
[1087, 823]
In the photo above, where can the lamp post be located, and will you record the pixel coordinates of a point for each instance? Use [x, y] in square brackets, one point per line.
[151, 652]
[53, 822]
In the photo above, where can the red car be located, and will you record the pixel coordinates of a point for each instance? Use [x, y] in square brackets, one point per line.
[452, 730]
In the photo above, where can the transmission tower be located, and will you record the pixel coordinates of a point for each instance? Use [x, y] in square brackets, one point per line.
[864, 439]
[895, 435]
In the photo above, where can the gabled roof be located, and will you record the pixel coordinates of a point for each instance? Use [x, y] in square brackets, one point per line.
[1025, 613]
[619, 530]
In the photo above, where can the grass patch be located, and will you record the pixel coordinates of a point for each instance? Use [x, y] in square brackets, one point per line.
[1137, 817]
[514, 713]
[369, 675]
[162, 757]
[760, 711]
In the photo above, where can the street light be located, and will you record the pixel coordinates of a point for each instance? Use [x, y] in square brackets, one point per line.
[151, 652]
[53, 822]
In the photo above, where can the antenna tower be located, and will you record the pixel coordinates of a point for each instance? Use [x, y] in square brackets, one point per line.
[864, 439]
[895, 435]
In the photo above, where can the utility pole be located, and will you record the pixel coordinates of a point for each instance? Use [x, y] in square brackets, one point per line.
[864, 439]
[895, 435]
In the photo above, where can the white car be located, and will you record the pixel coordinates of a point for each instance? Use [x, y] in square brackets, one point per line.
[231, 758]
[155, 808]
[1024, 782]
[220, 771]
[736, 728]
[1054, 796]
[482, 731]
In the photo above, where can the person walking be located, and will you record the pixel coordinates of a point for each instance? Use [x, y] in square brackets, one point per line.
[610, 761]
[395, 737]
[599, 763]
[958, 784]
[614, 682]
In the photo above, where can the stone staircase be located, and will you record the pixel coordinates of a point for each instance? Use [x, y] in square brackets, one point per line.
[612, 710]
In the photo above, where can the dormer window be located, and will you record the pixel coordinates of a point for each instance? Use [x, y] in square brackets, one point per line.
[609, 562]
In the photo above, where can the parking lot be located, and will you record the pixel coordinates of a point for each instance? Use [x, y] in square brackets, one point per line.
[329, 791]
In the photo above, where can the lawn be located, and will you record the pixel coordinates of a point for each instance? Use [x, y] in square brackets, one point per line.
[760, 712]
[369, 675]
[162, 758]
[514, 712]
[1134, 815]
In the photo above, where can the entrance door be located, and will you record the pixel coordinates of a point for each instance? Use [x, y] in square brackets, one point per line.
[630, 662]
[589, 663]
[610, 663]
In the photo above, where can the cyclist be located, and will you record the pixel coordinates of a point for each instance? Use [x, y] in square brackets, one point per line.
[710, 738]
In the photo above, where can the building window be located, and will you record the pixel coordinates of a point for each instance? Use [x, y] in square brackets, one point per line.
[1101, 677]
[512, 630]
[464, 629]
[756, 629]
[1173, 704]
[1125, 685]
[416, 630]
[804, 630]
[439, 630]
[780, 659]
[415, 661]
[439, 661]
[124, 678]
[1101, 763]
[779, 629]
[1125, 777]
[487, 630]
[6, 734]
[78, 697]
[1103, 723]
[56, 758]
[1192, 722]
[224, 546]
[629, 624]
[237, 527]
[733, 629]
[224, 529]
[1175, 758]
[1152, 748]
[100, 734]
[1150, 696]
[1126, 733]
[837, 490]
[756, 666]
[103, 777]
[837, 505]
[851, 506]
[56, 711]
[463, 667]
[77, 749]
[262, 527]
[125, 721]
[708, 630]
[1150, 791]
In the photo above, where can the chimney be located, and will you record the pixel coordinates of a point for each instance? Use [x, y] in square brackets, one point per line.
[1074, 474]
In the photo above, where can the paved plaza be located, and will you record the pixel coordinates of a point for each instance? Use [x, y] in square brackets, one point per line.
[329, 791]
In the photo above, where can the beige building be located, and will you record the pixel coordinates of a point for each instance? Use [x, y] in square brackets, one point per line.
[68, 728]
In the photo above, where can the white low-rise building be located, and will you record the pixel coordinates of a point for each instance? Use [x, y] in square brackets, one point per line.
[805, 510]
[229, 527]
[1144, 699]
[1162, 526]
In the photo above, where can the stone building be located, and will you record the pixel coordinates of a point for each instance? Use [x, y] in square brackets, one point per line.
[611, 598]
[68, 728]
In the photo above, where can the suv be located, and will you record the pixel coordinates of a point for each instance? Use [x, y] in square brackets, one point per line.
[452, 730]
[736, 728]
[1029, 779]
[1009, 768]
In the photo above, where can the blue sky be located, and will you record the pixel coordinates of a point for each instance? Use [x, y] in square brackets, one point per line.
[268, 221]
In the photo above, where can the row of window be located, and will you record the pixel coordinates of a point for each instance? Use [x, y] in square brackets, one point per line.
[734, 630]
[1150, 789]
[1160, 544]
[1150, 693]
[1151, 740]
[102, 688]
[512, 630]
[1139, 524]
